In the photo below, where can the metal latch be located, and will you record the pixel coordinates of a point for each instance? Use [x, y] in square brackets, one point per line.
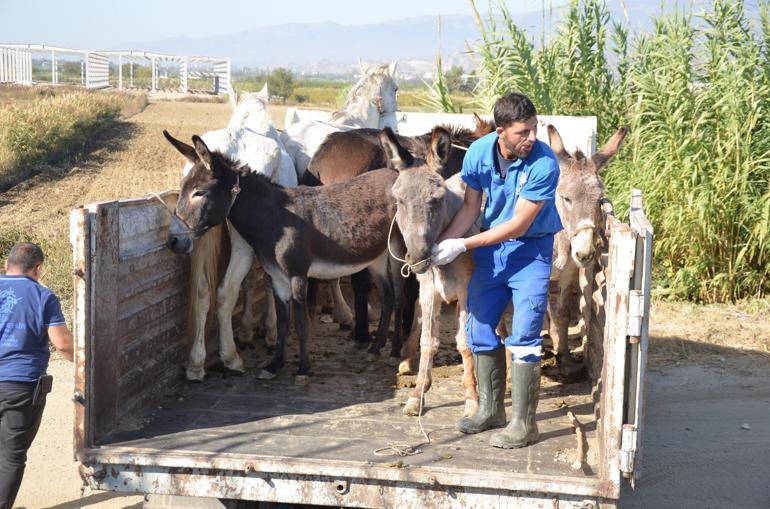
[635, 315]
[627, 450]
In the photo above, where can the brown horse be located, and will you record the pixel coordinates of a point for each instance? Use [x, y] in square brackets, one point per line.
[321, 232]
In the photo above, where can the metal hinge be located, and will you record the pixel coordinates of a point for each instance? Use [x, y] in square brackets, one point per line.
[627, 450]
[635, 314]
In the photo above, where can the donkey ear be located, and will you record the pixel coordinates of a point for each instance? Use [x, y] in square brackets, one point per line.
[603, 156]
[186, 150]
[361, 66]
[557, 145]
[396, 157]
[203, 152]
[440, 148]
[392, 68]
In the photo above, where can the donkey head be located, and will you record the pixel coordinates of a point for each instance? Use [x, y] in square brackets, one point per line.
[420, 194]
[579, 192]
[205, 194]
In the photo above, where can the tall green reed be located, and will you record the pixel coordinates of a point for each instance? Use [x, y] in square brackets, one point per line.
[695, 91]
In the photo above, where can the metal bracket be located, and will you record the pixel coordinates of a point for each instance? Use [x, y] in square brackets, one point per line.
[627, 450]
[635, 314]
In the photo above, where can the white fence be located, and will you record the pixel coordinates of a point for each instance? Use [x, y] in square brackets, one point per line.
[16, 65]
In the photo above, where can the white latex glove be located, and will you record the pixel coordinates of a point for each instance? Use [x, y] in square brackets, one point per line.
[446, 251]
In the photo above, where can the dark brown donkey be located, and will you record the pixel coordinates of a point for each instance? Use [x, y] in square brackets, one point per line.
[347, 154]
[321, 232]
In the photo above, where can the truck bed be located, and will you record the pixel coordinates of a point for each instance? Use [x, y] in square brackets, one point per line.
[351, 411]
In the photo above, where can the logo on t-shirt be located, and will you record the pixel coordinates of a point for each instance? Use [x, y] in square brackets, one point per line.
[8, 301]
[522, 181]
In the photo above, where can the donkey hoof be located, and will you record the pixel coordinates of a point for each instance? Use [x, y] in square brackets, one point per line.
[264, 374]
[234, 364]
[195, 374]
[471, 407]
[372, 355]
[412, 407]
[405, 367]
[393, 361]
[346, 325]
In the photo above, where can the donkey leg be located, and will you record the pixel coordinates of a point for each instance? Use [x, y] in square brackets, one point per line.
[360, 283]
[241, 260]
[270, 370]
[411, 293]
[200, 302]
[407, 365]
[384, 284]
[559, 330]
[397, 282]
[244, 335]
[269, 315]
[469, 375]
[429, 343]
[342, 314]
[301, 321]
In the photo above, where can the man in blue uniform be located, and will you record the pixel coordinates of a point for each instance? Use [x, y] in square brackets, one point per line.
[512, 254]
[30, 315]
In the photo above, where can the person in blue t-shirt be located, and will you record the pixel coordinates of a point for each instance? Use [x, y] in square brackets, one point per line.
[30, 315]
[512, 256]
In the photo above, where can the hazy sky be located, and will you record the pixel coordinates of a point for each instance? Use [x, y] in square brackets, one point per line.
[91, 24]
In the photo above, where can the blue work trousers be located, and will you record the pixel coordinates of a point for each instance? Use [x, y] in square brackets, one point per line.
[517, 271]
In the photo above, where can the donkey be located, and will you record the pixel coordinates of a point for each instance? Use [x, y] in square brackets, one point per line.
[321, 232]
[578, 201]
[425, 205]
[250, 138]
[346, 154]
[370, 102]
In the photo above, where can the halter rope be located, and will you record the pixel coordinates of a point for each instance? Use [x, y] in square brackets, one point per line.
[406, 268]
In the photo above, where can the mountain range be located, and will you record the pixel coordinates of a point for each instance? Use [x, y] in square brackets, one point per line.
[332, 48]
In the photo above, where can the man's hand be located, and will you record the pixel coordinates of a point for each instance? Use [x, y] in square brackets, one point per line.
[446, 251]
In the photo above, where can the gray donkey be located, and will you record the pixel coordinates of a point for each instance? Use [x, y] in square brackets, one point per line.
[578, 200]
[426, 203]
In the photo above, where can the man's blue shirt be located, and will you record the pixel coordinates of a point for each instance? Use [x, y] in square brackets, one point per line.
[534, 177]
[27, 309]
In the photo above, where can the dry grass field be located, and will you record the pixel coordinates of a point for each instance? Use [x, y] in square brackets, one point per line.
[726, 343]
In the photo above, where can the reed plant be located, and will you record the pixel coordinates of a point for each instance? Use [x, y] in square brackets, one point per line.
[695, 92]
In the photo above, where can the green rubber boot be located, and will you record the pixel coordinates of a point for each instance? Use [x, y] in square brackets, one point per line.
[490, 373]
[525, 393]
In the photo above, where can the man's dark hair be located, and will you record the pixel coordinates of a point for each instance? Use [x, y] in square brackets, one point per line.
[25, 256]
[513, 107]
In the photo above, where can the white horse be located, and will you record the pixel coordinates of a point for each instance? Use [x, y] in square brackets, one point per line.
[249, 138]
[370, 103]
